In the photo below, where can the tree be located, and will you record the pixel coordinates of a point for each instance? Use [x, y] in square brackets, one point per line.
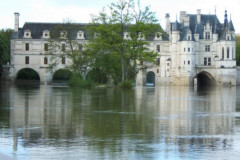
[63, 45]
[122, 35]
[5, 36]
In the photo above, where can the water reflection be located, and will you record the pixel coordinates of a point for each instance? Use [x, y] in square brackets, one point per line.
[151, 123]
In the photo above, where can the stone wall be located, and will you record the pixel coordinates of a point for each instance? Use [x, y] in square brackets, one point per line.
[238, 76]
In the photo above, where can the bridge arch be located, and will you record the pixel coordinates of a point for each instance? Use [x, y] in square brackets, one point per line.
[27, 74]
[150, 78]
[61, 75]
[204, 79]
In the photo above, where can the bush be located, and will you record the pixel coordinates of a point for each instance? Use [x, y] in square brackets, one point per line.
[77, 81]
[127, 84]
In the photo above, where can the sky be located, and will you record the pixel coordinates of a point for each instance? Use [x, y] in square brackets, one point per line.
[80, 11]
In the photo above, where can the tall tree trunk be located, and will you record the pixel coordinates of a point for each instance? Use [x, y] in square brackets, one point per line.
[123, 69]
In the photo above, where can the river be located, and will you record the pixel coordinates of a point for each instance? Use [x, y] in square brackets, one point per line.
[44, 122]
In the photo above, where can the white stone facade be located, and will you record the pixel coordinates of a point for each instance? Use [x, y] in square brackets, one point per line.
[197, 44]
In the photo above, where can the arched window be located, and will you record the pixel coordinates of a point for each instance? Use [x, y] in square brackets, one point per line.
[227, 52]
[222, 52]
[45, 60]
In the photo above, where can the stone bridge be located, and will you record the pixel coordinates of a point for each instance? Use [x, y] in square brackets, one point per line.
[215, 76]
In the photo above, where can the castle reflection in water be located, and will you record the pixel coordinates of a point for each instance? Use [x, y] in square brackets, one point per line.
[165, 116]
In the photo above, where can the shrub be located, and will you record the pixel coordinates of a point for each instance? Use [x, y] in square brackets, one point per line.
[127, 84]
[77, 81]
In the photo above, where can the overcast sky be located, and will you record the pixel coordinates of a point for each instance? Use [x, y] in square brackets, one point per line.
[80, 10]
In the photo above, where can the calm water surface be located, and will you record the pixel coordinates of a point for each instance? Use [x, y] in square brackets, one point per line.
[51, 122]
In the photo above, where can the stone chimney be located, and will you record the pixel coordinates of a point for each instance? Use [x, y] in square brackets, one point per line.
[16, 25]
[167, 17]
[199, 16]
[182, 15]
[187, 21]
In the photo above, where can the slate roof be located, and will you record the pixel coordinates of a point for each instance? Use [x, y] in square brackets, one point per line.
[196, 28]
[38, 28]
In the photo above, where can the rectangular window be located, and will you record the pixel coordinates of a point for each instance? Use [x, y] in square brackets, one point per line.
[158, 48]
[63, 47]
[188, 49]
[27, 60]
[209, 61]
[46, 47]
[207, 48]
[205, 61]
[63, 60]
[207, 35]
[27, 47]
[184, 49]
[45, 60]
[188, 62]
[158, 61]
[80, 47]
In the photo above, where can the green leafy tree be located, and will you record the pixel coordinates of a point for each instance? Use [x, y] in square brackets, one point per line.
[121, 34]
[63, 45]
[5, 36]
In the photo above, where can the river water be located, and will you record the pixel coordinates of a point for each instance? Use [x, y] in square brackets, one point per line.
[166, 122]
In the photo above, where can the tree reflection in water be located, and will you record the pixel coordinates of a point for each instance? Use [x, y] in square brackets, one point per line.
[162, 122]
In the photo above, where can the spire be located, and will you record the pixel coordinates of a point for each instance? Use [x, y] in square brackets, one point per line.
[215, 26]
[230, 26]
[175, 26]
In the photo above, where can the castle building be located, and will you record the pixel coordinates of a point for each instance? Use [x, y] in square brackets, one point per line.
[196, 49]
[199, 49]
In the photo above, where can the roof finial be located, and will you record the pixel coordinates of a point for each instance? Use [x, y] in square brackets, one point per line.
[225, 18]
[215, 10]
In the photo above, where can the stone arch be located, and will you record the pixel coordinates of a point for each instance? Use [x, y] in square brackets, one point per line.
[204, 79]
[27, 74]
[150, 81]
[61, 75]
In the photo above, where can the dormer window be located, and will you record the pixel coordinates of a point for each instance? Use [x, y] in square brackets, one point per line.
[158, 36]
[96, 35]
[27, 34]
[207, 35]
[189, 38]
[80, 35]
[141, 36]
[46, 34]
[127, 35]
[63, 34]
